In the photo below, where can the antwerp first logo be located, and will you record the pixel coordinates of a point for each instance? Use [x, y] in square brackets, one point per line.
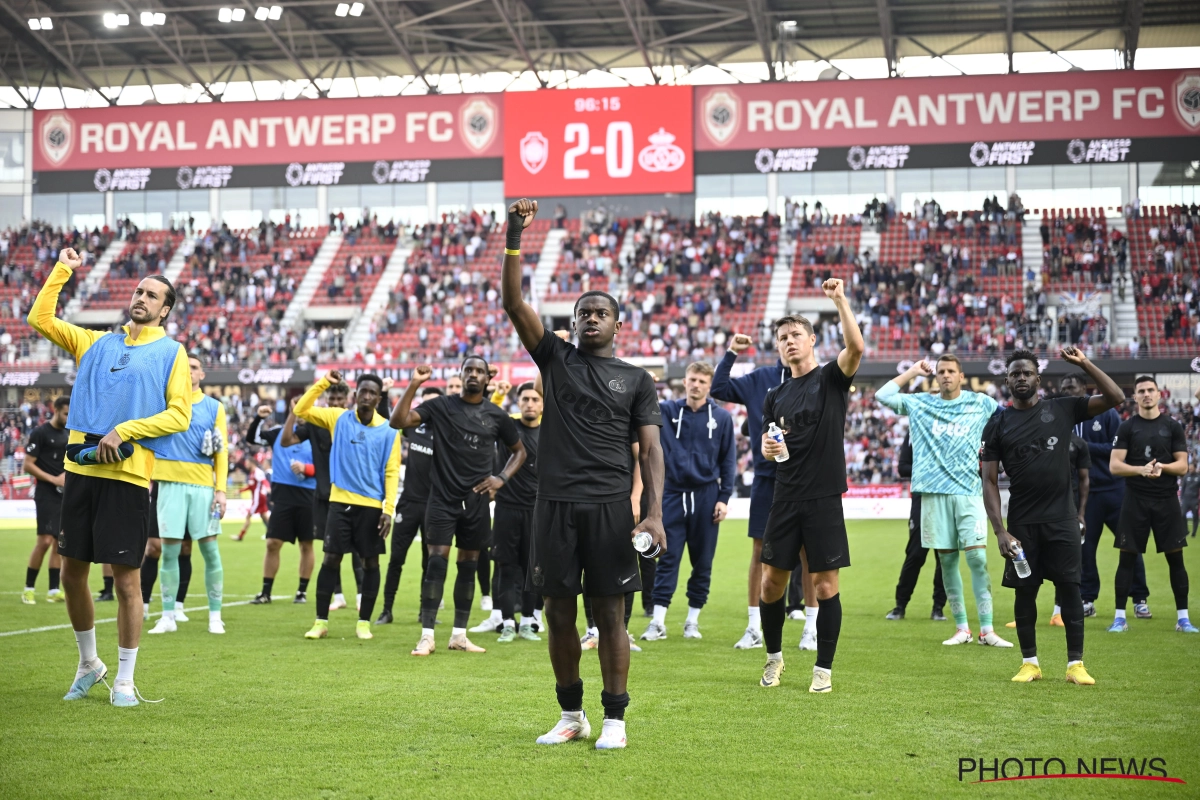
[57, 137]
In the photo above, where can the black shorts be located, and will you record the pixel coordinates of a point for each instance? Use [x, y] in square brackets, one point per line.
[354, 529]
[104, 521]
[320, 515]
[468, 526]
[512, 534]
[1141, 514]
[49, 513]
[1053, 551]
[292, 518]
[154, 511]
[816, 525]
[577, 542]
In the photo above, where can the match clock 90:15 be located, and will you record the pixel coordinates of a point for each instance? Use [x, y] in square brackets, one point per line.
[633, 140]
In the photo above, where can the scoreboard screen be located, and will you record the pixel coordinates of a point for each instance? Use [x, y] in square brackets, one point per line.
[633, 140]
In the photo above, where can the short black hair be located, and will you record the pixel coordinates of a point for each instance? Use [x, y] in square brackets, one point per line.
[1020, 355]
[612, 301]
[527, 386]
[61, 401]
[370, 376]
[196, 354]
[1144, 379]
[169, 301]
[428, 390]
[471, 357]
[341, 387]
[1079, 376]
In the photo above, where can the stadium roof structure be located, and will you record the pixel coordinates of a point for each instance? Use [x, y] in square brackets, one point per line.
[90, 44]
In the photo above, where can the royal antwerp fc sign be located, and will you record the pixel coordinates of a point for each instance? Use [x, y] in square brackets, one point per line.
[217, 134]
[597, 142]
[632, 140]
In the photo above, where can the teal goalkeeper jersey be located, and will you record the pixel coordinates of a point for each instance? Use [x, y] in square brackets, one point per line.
[945, 435]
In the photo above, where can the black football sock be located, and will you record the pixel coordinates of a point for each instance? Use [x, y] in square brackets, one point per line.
[31, 577]
[1179, 579]
[570, 698]
[509, 578]
[54, 580]
[108, 584]
[326, 579]
[1070, 602]
[185, 577]
[829, 628]
[303, 586]
[1124, 579]
[587, 612]
[614, 704]
[268, 584]
[528, 603]
[464, 592]
[773, 615]
[628, 614]
[1025, 613]
[358, 572]
[149, 576]
[391, 583]
[370, 592]
[432, 588]
[485, 573]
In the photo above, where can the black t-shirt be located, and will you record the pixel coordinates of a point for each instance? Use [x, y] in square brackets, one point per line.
[593, 407]
[47, 447]
[1191, 488]
[322, 443]
[1144, 440]
[418, 464]
[812, 409]
[1035, 446]
[521, 490]
[1080, 459]
[466, 434]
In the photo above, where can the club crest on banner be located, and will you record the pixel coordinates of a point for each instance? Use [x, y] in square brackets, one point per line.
[1187, 100]
[57, 137]
[721, 114]
[477, 122]
[534, 151]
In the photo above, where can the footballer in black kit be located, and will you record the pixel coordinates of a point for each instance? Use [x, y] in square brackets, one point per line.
[512, 528]
[466, 429]
[44, 455]
[1032, 438]
[1150, 452]
[583, 518]
[410, 511]
[806, 511]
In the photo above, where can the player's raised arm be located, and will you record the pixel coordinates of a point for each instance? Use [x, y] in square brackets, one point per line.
[852, 354]
[1110, 395]
[42, 318]
[306, 407]
[402, 415]
[523, 317]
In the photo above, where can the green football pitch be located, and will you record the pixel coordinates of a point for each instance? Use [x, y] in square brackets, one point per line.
[261, 712]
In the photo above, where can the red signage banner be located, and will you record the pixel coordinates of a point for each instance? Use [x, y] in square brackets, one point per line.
[632, 140]
[909, 111]
[876, 490]
[232, 134]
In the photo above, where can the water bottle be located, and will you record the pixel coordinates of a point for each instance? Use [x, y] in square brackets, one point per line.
[214, 522]
[643, 542]
[775, 433]
[1021, 565]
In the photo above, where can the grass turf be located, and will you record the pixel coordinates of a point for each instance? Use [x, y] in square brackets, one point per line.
[261, 712]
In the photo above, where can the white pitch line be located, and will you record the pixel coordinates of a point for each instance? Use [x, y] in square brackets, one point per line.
[114, 619]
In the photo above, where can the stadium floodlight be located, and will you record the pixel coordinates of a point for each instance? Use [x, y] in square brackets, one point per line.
[160, 18]
[276, 12]
[112, 20]
[356, 9]
[261, 13]
[239, 14]
[342, 9]
[225, 15]
[42, 24]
